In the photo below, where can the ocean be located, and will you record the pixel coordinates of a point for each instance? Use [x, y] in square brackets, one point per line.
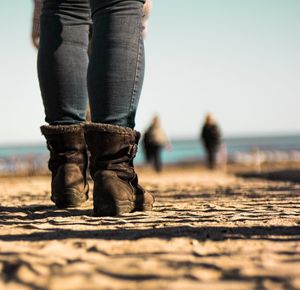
[239, 150]
[236, 148]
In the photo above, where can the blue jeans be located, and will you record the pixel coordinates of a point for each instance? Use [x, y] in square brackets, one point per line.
[112, 77]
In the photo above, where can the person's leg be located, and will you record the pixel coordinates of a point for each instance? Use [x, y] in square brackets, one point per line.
[211, 158]
[157, 158]
[150, 154]
[63, 60]
[148, 157]
[116, 69]
[62, 69]
[115, 78]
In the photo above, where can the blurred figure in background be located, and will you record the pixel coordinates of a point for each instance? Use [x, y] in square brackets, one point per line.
[155, 139]
[211, 139]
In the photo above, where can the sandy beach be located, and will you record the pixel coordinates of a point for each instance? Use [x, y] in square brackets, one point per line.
[208, 230]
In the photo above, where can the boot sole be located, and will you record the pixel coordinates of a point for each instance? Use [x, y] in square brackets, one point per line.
[119, 208]
[70, 198]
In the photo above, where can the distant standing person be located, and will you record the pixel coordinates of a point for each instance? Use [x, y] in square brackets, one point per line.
[211, 138]
[155, 139]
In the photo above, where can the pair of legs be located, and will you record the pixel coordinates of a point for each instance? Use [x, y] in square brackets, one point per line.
[211, 157]
[154, 156]
[112, 78]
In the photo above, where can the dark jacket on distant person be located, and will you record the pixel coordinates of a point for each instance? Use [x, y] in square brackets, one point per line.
[211, 136]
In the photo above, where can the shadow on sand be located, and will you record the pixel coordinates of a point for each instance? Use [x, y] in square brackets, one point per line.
[292, 175]
[271, 233]
[55, 232]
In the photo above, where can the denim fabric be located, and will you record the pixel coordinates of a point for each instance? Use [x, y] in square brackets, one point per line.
[113, 76]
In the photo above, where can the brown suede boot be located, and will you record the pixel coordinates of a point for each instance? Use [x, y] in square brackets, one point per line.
[116, 188]
[68, 164]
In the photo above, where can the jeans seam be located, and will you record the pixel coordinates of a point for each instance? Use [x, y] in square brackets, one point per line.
[136, 78]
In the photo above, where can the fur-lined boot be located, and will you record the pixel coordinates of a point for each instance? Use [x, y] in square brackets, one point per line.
[68, 164]
[116, 188]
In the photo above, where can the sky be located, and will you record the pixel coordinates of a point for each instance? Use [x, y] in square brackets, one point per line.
[239, 59]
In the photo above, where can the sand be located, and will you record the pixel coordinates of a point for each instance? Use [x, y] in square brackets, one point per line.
[207, 231]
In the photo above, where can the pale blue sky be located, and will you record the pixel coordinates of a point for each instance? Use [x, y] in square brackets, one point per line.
[236, 58]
